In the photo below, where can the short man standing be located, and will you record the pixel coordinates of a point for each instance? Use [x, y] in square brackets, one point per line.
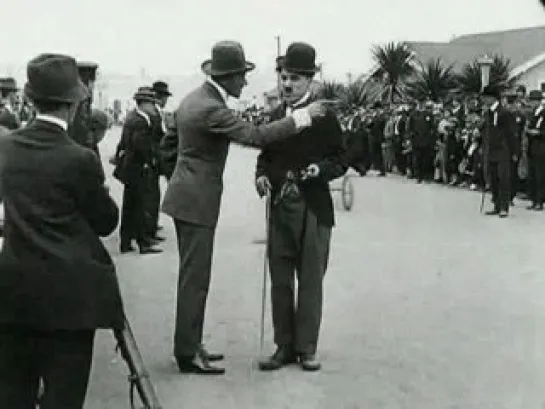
[206, 127]
[57, 281]
[302, 214]
[499, 149]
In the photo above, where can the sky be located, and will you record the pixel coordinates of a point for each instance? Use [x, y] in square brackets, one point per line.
[174, 37]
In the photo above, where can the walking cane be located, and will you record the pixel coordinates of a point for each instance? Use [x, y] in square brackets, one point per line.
[265, 272]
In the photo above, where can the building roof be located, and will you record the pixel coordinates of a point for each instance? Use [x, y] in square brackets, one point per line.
[521, 46]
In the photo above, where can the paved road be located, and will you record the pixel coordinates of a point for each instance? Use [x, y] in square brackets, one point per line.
[429, 305]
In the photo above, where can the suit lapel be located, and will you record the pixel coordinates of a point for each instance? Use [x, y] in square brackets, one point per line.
[212, 92]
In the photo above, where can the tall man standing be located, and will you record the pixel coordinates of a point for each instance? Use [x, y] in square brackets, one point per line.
[536, 151]
[57, 281]
[499, 149]
[206, 127]
[301, 220]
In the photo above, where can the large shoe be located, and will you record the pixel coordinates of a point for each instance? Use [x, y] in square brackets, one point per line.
[198, 364]
[149, 249]
[493, 212]
[309, 363]
[283, 356]
[212, 357]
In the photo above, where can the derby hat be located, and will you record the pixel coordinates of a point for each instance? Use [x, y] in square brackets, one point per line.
[491, 91]
[300, 58]
[227, 59]
[144, 94]
[161, 88]
[54, 77]
[8, 84]
[535, 95]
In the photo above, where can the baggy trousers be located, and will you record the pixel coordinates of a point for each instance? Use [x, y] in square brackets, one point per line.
[500, 184]
[297, 245]
[62, 359]
[195, 248]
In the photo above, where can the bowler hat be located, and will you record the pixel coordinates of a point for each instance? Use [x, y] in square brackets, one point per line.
[535, 95]
[145, 94]
[227, 59]
[161, 88]
[491, 91]
[54, 77]
[8, 84]
[300, 58]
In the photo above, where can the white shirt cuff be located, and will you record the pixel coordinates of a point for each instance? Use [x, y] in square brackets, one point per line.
[302, 118]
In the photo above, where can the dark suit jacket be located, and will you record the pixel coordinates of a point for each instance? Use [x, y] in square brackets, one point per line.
[206, 127]
[536, 143]
[421, 127]
[54, 271]
[9, 120]
[321, 144]
[135, 150]
[499, 140]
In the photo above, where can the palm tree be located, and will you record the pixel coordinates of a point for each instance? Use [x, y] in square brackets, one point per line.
[395, 65]
[332, 90]
[434, 81]
[355, 94]
[469, 80]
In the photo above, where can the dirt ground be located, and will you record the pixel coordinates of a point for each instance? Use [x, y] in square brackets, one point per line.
[428, 305]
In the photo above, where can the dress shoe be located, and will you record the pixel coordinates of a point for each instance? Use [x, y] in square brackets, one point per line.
[212, 357]
[503, 214]
[126, 248]
[199, 365]
[283, 356]
[309, 363]
[157, 238]
[148, 249]
[494, 212]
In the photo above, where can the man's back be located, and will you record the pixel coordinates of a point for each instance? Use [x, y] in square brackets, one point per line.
[54, 271]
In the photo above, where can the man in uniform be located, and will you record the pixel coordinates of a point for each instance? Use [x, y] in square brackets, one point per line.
[499, 149]
[536, 151]
[206, 126]
[9, 118]
[302, 215]
[57, 281]
[135, 159]
[422, 130]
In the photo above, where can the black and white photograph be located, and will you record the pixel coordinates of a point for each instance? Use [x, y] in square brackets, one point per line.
[255, 204]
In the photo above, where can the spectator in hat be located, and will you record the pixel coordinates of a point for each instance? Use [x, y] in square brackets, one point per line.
[499, 149]
[536, 151]
[9, 116]
[194, 192]
[57, 281]
[135, 159]
[153, 198]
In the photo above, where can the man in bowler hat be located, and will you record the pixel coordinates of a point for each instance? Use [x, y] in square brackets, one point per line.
[206, 127]
[301, 220]
[536, 151]
[153, 197]
[136, 164]
[57, 281]
[499, 149]
[9, 118]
